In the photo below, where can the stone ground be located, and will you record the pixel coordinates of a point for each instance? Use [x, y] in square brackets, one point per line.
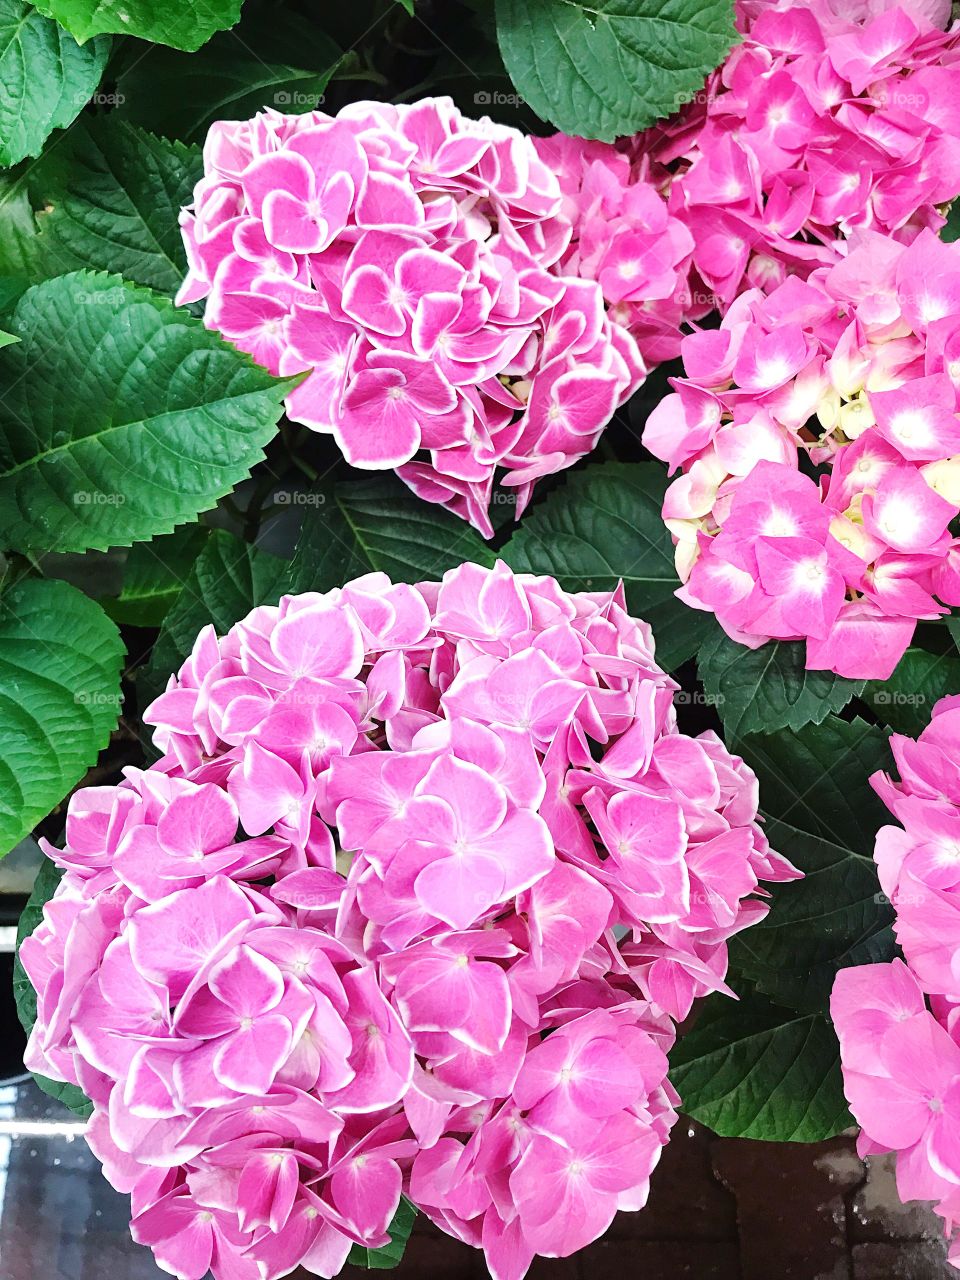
[737, 1210]
[719, 1210]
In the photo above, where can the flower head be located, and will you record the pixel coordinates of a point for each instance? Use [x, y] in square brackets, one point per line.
[409, 262]
[898, 1022]
[849, 371]
[824, 120]
[409, 905]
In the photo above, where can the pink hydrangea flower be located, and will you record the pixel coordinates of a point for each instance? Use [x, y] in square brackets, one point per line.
[411, 261]
[626, 237]
[898, 1022]
[825, 118]
[410, 905]
[853, 371]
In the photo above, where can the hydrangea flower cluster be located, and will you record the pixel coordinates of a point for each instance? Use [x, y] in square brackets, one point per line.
[825, 118]
[410, 904]
[627, 237]
[407, 257]
[856, 370]
[899, 1024]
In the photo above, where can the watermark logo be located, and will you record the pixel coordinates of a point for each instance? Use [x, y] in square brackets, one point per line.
[296, 98]
[899, 698]
[97, 698]
[903, 899]
[698, 298]
[498, 98]
[702, 97]
[698, 698]
[97, 498]
[99, 99]
[298, 498]
[903, 95]
[114, 297]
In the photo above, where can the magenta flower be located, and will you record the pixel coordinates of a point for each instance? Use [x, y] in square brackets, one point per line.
[409, 906]
[897, 1022]
[409, 261]
[626, 237]
[567, 1194]
[824, 120]
[852, 369]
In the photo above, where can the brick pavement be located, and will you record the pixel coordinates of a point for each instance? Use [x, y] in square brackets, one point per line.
[735, 1210]
[719, 1210]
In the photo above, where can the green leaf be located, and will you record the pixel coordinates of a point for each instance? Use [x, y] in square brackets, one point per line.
[906, 700]
[762, 690]
[951, 231]
[59, 697]
[12, 289]
[227, 580]
[834, 918]
[603, 525]
[471, 60]
[817, 778]
[953, 626]
[123, 416]
[7, 338]
[822, 814]
[45, 885]
[379, 524]
[154, 576]
[749, 1069]
[46, 79]
[97, 574]
[391, 1254]
[408, 5]
[611, 67]
[18, 232]
[185, 24]
[282, 62]
[107, 198]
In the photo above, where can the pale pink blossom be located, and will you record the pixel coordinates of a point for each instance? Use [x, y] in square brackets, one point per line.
[848, 372]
